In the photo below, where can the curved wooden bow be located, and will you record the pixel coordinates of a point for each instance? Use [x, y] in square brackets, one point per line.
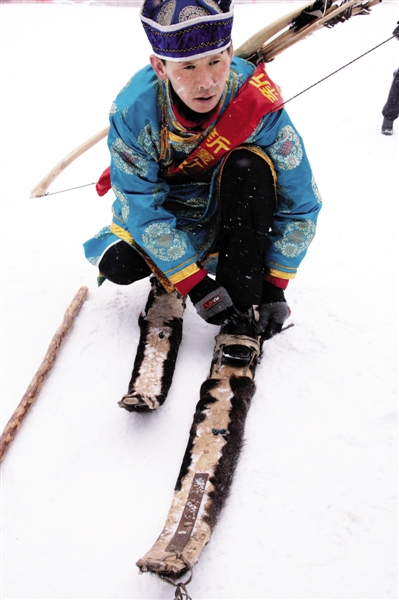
[256, 49]
[41, 188]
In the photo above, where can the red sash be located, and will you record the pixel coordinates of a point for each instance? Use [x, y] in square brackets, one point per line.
[257, 97]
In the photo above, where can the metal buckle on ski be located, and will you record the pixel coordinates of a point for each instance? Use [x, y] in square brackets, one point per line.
[225, 341]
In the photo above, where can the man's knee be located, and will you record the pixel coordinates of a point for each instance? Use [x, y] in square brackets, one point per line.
[123, 265]
[245, 162]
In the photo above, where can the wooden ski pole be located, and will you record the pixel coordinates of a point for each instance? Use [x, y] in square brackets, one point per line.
[34, 387]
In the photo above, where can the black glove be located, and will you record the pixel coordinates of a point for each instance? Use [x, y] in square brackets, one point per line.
[273, 310]
[395, 32]
[212, 301]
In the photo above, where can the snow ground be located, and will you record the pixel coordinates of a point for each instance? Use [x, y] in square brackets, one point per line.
[86, 486]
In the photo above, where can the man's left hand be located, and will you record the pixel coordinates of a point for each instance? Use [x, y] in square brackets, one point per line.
[273, 310]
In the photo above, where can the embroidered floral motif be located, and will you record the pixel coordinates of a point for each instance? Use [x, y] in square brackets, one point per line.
[164, 242]
[316, 191]
[185, 146]
[127, 160]
[196, 203]
[114, 109]
[296, 238]
[192, 12]
[104, 232]
[287, 150]
[161, 93]
[125, 210]
[165, 15]
[150, 140]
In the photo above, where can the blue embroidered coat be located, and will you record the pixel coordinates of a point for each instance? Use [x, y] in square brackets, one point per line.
[173, 223]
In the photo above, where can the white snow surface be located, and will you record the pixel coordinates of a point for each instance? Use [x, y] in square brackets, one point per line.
[86, 486]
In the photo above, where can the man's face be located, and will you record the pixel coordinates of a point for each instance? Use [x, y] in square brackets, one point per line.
[199, 83]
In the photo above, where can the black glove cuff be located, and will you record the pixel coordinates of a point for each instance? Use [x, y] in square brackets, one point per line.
[211, 301]
[203, 288]
[272, 293]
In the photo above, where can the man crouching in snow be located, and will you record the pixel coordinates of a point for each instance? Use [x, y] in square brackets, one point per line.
[211, 179]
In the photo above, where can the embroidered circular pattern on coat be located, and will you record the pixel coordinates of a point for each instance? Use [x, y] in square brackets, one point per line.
[296, 238]
[128, 160]
[287, 150]
[164, 242]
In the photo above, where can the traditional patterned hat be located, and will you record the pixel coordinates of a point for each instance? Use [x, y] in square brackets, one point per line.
[186, 29]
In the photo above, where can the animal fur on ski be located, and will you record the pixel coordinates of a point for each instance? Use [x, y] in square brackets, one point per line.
[208, 466]
[243, 389]
[161, 330]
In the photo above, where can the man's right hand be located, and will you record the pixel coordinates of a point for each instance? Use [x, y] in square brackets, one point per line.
[212, 301]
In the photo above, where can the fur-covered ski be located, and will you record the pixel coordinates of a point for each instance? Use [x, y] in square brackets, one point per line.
[208, 466]
[161, 327]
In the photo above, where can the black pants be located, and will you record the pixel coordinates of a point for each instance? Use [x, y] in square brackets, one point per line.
[247, 201]
[391, 107]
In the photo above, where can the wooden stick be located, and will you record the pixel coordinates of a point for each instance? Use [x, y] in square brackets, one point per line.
[34, 387]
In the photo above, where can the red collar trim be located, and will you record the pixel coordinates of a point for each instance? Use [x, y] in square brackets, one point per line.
[188, 124]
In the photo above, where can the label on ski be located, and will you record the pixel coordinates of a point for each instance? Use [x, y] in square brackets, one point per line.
[190, 513]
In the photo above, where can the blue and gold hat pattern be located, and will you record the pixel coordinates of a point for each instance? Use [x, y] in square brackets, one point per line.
[186, 29]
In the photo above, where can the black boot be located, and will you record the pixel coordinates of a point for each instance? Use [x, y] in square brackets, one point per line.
[387, 126]
[242, 337]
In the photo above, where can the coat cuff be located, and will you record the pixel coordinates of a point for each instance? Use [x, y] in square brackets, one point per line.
[277, 281]
[186, 285]
[104, 183]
